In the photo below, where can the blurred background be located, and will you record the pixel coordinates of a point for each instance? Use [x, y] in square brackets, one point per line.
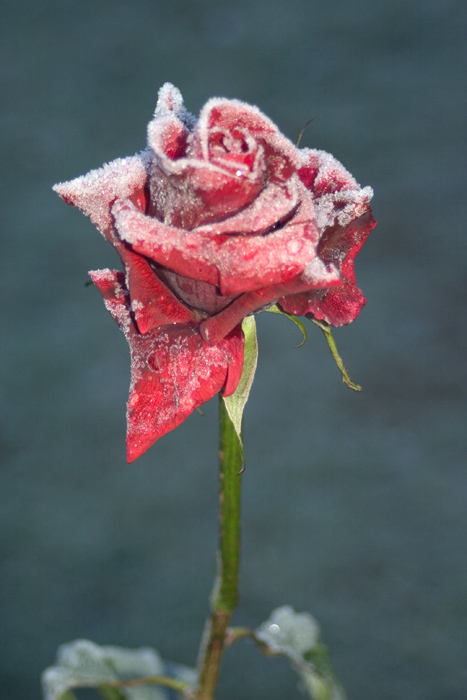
[354, 504]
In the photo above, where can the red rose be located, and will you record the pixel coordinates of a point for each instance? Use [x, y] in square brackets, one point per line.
[217, 219]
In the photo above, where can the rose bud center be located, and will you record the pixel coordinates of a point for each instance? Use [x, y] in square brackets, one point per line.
[233, 150]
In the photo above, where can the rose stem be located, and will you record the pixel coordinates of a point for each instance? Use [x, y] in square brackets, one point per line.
[225, 592]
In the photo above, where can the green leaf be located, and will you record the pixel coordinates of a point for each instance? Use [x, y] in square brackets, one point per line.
[297, 636]
[276, 310]
[236, 402]
[325, 327]
[117, 673]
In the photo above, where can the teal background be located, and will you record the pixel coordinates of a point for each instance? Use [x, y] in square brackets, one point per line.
[354, 505]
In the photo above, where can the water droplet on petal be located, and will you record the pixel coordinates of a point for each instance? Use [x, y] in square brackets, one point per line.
[274, 629]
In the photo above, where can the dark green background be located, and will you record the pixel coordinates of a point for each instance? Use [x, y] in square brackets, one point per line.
[354, 505]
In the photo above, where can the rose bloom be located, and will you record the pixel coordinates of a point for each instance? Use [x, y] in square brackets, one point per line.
[218, 219]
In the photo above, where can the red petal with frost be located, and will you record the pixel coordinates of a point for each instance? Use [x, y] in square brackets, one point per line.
[228, 254]
[173, 371]
[337, 306]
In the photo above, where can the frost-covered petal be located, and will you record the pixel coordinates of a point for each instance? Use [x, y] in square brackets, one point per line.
[170, 103]
[93, 194]
[228, 254]
[111, 285]
[233, 152]
[337, 197]
[176, 249]
[201, 193]
[338, 306]
[323, 174]
[272, 207]
[197, 294]
[281, 156]
[341, 305]
[340, 244]
[173, 371]
[152, 303]
[315, 276]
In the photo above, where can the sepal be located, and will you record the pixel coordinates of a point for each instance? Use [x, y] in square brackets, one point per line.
[235, 403]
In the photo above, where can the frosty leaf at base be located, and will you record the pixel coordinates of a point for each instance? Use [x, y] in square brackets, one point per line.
[84, 664]
[297, 636]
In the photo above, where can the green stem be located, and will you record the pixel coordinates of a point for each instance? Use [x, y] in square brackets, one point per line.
[225, 594]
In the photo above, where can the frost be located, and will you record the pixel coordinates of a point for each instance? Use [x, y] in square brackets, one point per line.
[240, 115]
[274, 203]
[137, 305]
[83, 663]
[342, 207]
[94, 192]
[297, 636]
[172, 372]
[318, 273]
[289, 632]
[170, 101]
[238, 263]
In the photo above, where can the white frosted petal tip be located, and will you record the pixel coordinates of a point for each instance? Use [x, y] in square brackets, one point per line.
[169, 100]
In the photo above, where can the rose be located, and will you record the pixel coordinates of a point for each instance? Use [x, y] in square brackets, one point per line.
[219, 218]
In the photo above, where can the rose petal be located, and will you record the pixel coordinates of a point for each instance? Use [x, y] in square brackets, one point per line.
[179, 250]
[93, 194]
[228, 115]
[337, 306]
[212, 183]
[340, 244]
[152, 303]
[273, 205]
[323, 174]
[316, 275]
[236, 263]
[111, 285]
[200, 194]
[198, 295]
[173, 371]
[337, 197]
[170, 102]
